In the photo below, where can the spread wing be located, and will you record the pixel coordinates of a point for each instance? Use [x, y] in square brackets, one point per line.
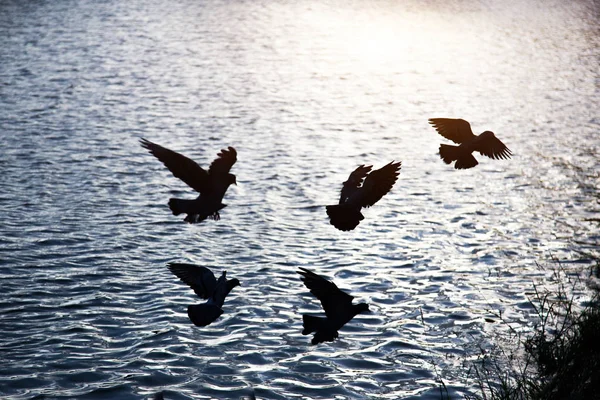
[489, 145]
[200, 279]
[334, 301]
[354, 181]
[180, 166]
[457, 130]
[378, 183]
[223, 163]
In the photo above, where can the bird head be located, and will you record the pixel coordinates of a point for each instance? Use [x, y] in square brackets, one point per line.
[487, 134]
[232, 179]
[231, 283]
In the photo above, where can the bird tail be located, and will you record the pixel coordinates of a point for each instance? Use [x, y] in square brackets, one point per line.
[450, 153]
[343, 217]
[317, 324]
[204, 314]
[311, 324]
[179, 206]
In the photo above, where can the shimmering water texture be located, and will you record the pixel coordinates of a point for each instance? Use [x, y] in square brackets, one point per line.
[306, 92]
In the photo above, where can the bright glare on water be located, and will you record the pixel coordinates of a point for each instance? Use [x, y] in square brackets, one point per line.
[305, 91]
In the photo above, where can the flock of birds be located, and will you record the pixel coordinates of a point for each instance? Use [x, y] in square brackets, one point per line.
[363, 188]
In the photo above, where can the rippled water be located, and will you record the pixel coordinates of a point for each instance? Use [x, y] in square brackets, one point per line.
[305, 91]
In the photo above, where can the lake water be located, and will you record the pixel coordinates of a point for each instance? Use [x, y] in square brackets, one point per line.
[305, 91]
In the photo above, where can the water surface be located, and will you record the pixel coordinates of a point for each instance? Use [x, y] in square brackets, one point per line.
[305, 91]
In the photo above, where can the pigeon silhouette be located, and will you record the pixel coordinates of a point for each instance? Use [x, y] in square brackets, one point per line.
[206, 286]
[337, 305]
[459, 131]
[211, 185]
[346, 215]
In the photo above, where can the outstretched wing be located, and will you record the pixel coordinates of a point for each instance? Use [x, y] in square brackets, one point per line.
[334, 301]
[378, 183]
[489, 145]
[457, 130]
[354, 181]
[223, 163]
[180, 166]
[200, 279]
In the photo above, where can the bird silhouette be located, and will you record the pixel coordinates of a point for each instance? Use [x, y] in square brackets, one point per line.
[206, 286]
[337, 305]
[459, 131]
[211, 185]
[362, 189]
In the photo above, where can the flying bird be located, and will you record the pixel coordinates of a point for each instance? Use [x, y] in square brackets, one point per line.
[206, 286]
[337, 305]
[346, 215]
[211, 185]
[459, 131]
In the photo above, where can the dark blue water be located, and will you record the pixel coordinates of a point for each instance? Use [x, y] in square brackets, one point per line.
[305, 91]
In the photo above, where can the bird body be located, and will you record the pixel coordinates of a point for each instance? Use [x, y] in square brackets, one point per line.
[206, 286]
[337, 305]
[212, 184]
[362, 189]
[459, 131]
[198, 209]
